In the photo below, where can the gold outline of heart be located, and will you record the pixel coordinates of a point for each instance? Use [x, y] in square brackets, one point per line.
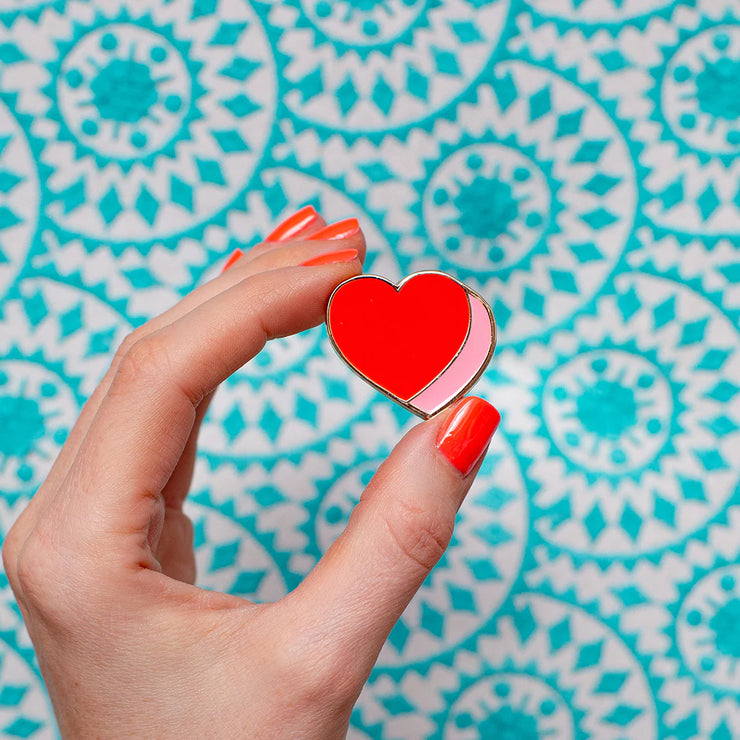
[407, 404]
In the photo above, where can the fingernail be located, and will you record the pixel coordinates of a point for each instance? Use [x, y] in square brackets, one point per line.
[235, 255]
[294, 224]
[465, 436]
[339, 230]
[330, 258]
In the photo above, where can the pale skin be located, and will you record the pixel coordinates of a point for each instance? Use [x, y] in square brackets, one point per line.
[102, 564]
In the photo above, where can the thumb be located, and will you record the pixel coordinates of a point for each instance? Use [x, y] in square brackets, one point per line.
[396, 534]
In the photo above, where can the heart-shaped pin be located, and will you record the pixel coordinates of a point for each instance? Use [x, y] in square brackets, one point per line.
[423, 342]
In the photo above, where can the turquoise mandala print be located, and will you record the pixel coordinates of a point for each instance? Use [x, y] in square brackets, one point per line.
[376, 64]
[149, 121]
[577, 162]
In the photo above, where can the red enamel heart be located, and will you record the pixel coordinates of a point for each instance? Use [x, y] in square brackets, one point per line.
[400, 338]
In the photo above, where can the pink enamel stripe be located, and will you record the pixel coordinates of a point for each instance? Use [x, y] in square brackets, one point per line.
[464, 366]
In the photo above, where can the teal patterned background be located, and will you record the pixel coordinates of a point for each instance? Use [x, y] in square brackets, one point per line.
[575, 161]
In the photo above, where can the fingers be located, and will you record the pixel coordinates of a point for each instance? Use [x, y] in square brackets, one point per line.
[395, 535]
[288, 253]
[294, 253]
[317, 237]
[143, 424]
[299, 225]
[285, 252]
[272, 255]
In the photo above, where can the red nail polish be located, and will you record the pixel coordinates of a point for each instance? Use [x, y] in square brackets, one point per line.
[294, 225]
[464, 437]
[339, 230]
[330, 258]
[235, 255]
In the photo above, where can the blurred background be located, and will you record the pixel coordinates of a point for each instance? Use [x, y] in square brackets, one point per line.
[575, 161]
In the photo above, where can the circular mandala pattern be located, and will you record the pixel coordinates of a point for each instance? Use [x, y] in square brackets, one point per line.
[511, 706]
[123, 91]
[487, 205]
[670, 80]
[161, 122]
[494, 210]
[626, 460]
[542, 667]
[562, 646]
[474, 576]
[609, 411]
[37, 410]
[689, 639]
[700, 97]
[379, 64]
[707, 629]
[19, 197]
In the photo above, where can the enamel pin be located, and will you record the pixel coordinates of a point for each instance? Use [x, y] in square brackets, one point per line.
[423, 343]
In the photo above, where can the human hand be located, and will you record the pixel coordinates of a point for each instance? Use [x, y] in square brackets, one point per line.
[102, 564]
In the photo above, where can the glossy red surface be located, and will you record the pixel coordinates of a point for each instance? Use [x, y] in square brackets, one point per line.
[400, 339]
[465, 436]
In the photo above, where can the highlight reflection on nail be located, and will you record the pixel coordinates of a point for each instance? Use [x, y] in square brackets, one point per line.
[339, 230]
[294, 225]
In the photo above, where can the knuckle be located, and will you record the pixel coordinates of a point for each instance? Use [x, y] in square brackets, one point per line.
[125, 347]
[421, 535]
[15, 541]
[31, 566]
[11, 549]
[49, 584]
[145, 359]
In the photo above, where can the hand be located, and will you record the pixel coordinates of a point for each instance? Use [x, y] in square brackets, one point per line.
[102, 562]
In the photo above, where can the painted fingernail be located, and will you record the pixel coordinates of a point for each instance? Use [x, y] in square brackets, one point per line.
[465, 436]
[338, 230]
[330, 258]
[235, 255]
[294, 225]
